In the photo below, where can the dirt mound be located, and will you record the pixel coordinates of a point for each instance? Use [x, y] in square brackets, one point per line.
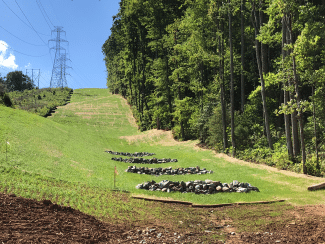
[158, 137]
[29, 221]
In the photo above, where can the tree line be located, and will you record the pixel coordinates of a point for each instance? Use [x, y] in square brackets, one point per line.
[243, 76]
[16, 81]
[13, 81]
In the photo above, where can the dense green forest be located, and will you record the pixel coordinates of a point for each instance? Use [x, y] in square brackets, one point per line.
[243, 76]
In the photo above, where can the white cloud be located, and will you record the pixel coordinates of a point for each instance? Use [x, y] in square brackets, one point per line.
[28, 66]
[5, 61]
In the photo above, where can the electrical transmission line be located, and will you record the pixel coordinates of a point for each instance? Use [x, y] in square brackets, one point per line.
[41, 8]
[36, 77]
[58, 78]
[23, 53]
[29, 22]
[22, 39]
[21, 19]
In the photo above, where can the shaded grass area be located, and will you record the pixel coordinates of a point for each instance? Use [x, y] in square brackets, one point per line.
[71, 144]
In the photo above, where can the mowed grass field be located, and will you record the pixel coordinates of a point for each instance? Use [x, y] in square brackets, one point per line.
[63, 158]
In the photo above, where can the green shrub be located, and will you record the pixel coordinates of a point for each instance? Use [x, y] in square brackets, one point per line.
[312, 166]
[281, 159]
[215, 131]
[177, 132]
[184, 109]
[7, 100]
[203, 122]
[162, 118]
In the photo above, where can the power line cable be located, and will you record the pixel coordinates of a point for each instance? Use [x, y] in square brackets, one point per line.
[4, 68]
[22, 39]
[57, 20]
[41, 81]
[81, 82]
[24, 53]
[51, 57]
[20, 18]
[36, 76]
[88, 81]
[44, 79]
[43, 15]
[45, 11]
[73, 83]
[81, 79]
[29, 22]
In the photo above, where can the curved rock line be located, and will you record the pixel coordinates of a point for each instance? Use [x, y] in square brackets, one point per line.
[167, 171]
[136, 154]
[197, 186]
[145, 161]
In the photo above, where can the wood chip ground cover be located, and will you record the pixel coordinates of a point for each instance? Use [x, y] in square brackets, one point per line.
[30, 221]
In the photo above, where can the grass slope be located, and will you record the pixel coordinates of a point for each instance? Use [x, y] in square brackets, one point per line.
[67, 150]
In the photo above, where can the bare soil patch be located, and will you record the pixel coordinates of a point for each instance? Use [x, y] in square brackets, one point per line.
[269, 224]
[29, 221]
[158, 137]
[302, 225]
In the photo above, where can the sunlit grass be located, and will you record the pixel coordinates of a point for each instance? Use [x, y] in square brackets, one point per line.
[67, 151]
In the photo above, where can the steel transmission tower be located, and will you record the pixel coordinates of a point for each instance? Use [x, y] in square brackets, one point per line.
[37, 76]
[58, 78]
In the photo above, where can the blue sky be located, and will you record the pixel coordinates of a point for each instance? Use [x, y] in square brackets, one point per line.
[25, 31]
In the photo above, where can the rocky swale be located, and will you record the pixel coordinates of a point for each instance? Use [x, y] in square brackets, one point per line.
[197, 186]
[167, 171]
[136, 154]
[145, 161]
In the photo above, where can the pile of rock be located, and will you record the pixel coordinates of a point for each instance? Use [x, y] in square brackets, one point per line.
[197, 186]
[145, 161]
[136, 154]
[167, 171]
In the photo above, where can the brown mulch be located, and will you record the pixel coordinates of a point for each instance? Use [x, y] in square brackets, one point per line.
[303, 224]
[310, 231]
[29, 221]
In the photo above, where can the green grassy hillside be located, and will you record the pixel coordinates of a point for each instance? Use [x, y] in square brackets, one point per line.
[67, 149]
